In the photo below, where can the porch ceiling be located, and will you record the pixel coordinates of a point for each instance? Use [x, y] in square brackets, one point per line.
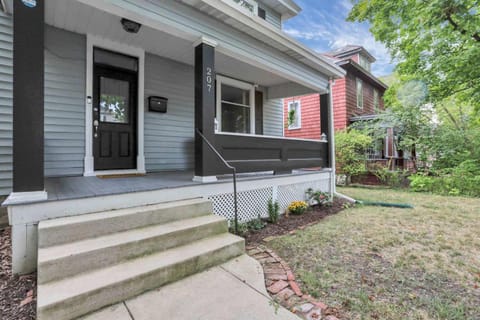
[77, 17]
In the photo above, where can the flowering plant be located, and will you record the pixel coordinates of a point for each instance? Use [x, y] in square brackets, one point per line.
[297, 207]
[317, 197]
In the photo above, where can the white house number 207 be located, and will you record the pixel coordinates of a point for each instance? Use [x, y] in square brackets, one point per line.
[209, 78]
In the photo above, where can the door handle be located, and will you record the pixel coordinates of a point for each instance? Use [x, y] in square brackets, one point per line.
[95, 127]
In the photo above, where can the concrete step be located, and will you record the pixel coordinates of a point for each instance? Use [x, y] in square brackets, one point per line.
[71, 229]
[73, 297]
[70, 259]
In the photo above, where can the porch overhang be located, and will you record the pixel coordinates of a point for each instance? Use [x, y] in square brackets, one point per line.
[258, 28]
[262, 47]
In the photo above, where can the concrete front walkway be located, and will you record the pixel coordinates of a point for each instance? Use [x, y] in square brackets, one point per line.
[232, 291]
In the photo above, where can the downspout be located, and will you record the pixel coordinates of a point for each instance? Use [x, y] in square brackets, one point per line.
[331, 140]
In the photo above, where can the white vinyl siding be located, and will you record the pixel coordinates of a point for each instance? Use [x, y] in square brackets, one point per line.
[273, 117]
[271, 16]
[169, 141]
[6, 102]
[65, 62]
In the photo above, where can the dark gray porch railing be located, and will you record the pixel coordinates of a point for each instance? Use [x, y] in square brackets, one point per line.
[234, 171]
[264, 153]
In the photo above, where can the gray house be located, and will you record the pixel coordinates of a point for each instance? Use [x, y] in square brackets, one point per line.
[111, 107]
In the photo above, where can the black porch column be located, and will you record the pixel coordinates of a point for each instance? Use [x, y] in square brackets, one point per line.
[205, 160]
[325, 122]
[28, 100]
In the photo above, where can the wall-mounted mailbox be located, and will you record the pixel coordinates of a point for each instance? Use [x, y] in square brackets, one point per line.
[157, 104]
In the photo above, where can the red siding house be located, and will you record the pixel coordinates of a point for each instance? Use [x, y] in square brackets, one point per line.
[356, 97]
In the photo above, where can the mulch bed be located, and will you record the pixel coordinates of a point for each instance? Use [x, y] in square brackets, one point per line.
[17, 293]
[292, 222]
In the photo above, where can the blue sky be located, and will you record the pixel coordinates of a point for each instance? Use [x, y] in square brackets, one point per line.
[321, 25]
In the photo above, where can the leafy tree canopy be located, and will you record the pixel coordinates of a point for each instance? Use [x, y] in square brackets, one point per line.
[435, 41]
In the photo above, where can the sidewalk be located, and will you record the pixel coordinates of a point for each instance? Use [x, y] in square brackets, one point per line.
[232, 291]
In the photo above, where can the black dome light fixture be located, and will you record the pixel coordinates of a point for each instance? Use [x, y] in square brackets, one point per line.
[130, 26]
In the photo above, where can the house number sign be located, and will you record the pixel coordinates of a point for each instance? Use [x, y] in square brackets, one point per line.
[209, 79]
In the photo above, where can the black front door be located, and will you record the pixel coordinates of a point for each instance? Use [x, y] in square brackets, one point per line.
[114, 118]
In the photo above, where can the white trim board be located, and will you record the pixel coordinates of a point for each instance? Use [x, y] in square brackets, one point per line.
[95, 41]
[25, 197]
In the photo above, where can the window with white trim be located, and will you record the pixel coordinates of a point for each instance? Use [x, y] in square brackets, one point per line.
[359, 93]
[363, 61]
[294, 115]
[376, 100]
[235, 106]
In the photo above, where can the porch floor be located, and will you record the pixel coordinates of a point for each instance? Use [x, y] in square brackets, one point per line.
[66, 188]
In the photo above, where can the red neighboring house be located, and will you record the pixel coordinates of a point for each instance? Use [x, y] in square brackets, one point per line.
[356, 97]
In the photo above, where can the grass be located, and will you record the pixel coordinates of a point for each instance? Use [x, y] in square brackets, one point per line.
[389, 263]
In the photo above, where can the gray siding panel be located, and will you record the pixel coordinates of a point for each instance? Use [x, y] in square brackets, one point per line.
[64, 102]
[6, 102]
[272, 16]
[169, 136]
[273, 117]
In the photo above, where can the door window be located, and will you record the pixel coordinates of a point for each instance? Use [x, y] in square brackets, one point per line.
[114, 98]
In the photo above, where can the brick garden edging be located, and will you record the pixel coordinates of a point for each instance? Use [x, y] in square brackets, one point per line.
[282, 287]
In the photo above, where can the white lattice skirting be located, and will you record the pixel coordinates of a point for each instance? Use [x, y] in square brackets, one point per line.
[253, 202]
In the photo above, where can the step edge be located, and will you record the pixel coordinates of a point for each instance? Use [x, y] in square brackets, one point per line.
[92, 216]
[232, 240]
[219, 256]
[212, 219]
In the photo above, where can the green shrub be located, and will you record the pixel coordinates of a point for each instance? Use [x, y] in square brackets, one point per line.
[256, 224]
[350, 149]
[242, 227]
[421, 183]
[461, 180]
[273, 211]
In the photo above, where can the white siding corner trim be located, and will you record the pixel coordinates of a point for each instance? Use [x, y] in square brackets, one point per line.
[94, 41]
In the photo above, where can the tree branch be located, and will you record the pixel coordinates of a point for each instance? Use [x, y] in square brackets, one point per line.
[475, 36]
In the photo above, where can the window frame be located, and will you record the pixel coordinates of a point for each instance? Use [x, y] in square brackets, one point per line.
[359, 89]
[363, 62]
[239, 85]
[376, 100]
[298, 112]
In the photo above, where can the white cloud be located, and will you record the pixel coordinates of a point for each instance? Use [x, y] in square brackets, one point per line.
[328, 31]
[307, 35]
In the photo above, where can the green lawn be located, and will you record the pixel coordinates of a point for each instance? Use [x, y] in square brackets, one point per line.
[388, 263]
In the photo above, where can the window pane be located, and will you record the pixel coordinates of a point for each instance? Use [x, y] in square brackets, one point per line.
[114, 97]
[294, 115]
[359, 94]
[235, 95]
[235, 118]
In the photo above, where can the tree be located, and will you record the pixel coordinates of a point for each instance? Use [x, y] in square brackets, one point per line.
[435, 41]
[441, 137]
